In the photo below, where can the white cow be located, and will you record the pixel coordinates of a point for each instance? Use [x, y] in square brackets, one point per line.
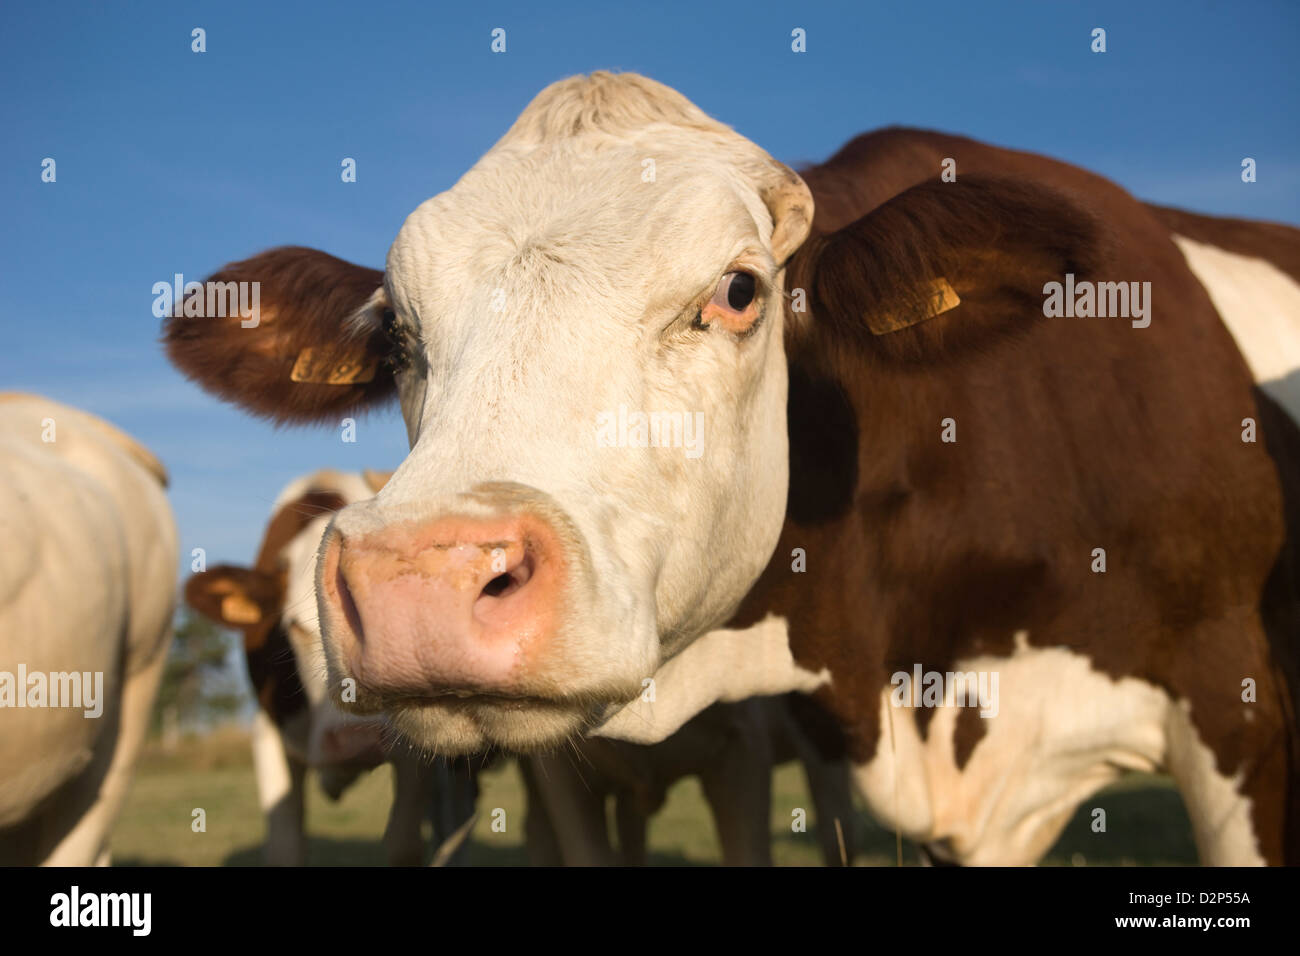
[87, 589]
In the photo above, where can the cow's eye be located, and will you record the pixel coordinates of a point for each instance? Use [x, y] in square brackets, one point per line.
[735, 291]
[733, 304]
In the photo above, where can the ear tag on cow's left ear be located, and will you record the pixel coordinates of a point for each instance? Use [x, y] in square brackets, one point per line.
[942, 298]
[237, 609]
[321, 367]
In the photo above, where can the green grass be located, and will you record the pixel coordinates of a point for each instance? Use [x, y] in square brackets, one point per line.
[1146, 822]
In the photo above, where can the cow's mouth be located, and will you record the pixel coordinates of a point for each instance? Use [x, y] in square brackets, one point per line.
[466, 699]
[462, 723]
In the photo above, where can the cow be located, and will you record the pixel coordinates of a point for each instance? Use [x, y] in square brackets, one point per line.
[743, 431]
[732, 747]
[87, 591]
[296, 725]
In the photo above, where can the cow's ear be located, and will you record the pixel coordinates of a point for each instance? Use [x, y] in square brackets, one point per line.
[790, 203]
[944, 266]
[236, 597]
[310, 345]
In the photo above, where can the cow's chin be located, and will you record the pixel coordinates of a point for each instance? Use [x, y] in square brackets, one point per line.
[453, 726]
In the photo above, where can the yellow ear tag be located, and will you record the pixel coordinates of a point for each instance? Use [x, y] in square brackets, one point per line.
[321, 367]
[942, 297]
[237, 609]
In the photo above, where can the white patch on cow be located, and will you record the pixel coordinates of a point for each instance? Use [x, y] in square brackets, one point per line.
[1220, 814]
[1260, 304]
[1044, 753]
[723, 665]
[274, 782]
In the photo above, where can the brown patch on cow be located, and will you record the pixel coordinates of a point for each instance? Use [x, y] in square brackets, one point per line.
[968, 731]
[823, 449]
[1072, 434]
[308, 301]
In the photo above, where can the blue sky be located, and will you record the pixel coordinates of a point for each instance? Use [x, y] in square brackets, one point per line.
[172, 161]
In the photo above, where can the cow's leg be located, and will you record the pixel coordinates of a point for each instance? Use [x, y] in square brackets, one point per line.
[576, 811]
[540, 837]
[453, 800]
[631, 820]
[88, 839]
[280, 783]
[831, 787]
[413, 784]
[1226, 810]
[738, 787]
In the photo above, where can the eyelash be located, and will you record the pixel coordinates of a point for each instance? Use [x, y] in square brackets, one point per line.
[399, 343]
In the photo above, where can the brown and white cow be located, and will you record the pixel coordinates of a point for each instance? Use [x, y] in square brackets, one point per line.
[905, 465]
[87, 589]
[297, 726]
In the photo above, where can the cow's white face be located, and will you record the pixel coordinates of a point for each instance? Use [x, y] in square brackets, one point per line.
[604, 282]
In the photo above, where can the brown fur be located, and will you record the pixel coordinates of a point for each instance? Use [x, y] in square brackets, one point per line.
[995, 241]
[1072, 434]
[307, 298]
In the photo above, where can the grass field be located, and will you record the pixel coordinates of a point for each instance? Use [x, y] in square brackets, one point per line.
[1145, 820]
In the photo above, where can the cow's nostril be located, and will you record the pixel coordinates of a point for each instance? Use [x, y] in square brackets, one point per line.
[346, 602]
[497, 586]
[504, 585]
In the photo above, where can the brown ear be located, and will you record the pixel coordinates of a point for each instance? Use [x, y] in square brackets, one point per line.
[314, 349]
[237, 597]
[790, 203]
[971, 257]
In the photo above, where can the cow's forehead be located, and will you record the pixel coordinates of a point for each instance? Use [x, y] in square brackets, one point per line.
[626, 219]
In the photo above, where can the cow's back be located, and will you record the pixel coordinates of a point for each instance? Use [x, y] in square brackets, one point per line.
[86, 581]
